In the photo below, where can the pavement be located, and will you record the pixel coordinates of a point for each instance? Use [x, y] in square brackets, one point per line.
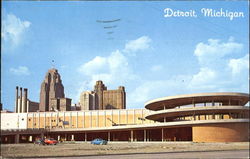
[126, 149]
[238, 154]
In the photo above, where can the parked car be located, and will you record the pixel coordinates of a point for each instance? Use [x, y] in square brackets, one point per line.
[99, 141]
[39, 141]
[50, 141]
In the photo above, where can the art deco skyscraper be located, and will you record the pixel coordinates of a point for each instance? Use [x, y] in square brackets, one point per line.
[51, 87]
[98, 89]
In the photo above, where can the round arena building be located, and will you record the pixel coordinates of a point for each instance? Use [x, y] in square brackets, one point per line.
[204, 117]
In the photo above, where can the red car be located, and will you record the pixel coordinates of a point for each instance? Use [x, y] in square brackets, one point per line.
[50, 142]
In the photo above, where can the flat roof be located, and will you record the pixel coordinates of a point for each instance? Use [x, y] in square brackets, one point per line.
[180, 100]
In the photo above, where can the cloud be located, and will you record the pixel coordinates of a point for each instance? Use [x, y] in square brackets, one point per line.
[14, 29]
[21, 70]
[214, 75]
[115, 63]
[238, 65]
[214, 50]
[96, 66]
[203, 79]
[139, 44]
[113, 70]
[216, 65]
[156, 68]
[150, 89]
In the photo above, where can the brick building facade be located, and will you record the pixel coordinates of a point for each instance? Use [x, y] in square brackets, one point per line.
[101, 98]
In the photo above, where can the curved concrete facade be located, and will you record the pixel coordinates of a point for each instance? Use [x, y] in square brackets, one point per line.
[226, 98]
[226, 132]
[200, 109]
[184, 112]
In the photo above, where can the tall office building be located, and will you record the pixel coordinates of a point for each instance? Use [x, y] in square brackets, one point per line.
[101, 98]
[52, 92]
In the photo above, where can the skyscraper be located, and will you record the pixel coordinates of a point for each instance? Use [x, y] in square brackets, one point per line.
[101, 98]
[51, 88]
[99, 88]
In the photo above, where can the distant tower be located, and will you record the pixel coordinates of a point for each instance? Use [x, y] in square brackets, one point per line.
[99, 88]
[87, 100]
[51, 87]
[109, 99]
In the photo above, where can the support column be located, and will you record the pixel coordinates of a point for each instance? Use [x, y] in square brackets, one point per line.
[162, 134]
[135, 136]
[108, 135]
[42, 135]
[17, 138]
[72, 138]
[85, 136]
[145, 135]
[132, 136]
[148, 135]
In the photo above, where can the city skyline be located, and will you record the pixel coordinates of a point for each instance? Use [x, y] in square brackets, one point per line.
[151, 55]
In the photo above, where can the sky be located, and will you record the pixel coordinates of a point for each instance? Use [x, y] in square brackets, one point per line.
[150, 54]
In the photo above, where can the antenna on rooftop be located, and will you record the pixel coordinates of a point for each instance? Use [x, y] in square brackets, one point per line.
[53, 63]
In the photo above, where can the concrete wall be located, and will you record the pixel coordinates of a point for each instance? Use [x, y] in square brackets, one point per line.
[13, 121]
[224, 132]
[87, 119]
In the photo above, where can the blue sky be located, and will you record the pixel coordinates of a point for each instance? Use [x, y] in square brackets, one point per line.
[151, 55]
